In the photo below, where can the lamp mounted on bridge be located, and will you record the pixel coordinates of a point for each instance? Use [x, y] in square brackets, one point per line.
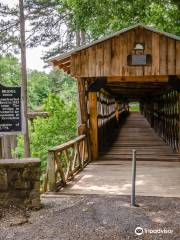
[139, 58]
[139, 47]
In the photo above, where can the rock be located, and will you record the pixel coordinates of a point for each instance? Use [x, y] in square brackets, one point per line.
[17, 221]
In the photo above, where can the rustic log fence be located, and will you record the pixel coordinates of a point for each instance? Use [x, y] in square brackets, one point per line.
[65, 161]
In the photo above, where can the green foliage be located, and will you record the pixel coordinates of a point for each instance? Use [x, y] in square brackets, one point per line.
[38, 88]
[9, 70]
[40, 84]
[134, 107]
[101, 17]
[63, 85]
[55, 93]
[45, 133]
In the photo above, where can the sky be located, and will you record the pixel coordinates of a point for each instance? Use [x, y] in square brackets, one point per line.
[34, 55]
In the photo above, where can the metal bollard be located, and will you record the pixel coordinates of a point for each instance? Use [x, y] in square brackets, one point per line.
[133, 194]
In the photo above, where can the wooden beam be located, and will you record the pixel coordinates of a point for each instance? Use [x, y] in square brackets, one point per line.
[64, 65]
[179, 126]
[58, 62]
[135, 91]
[138, 79]
[93, 124]
[137, 85]
[82, 100]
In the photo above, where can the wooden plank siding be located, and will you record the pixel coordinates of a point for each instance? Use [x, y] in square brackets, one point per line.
[171, 56]
[109, 58]
[178, 57]
[148, 50]
[163, 55]
[155, 53]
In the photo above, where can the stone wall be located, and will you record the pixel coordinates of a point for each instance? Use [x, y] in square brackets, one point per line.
[20, 182]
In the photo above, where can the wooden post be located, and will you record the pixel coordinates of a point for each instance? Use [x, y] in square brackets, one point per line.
[179, 124]
[6, 147]
[51, 172]
[1, 156]
[82, 100]
[117, 110]
[93, 124]
[83, 112]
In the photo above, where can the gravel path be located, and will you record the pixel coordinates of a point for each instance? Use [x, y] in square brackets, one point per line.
[93, 217]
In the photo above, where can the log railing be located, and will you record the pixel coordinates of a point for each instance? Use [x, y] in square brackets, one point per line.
[64, 161]
[110, 114]
[106, 118]
[162, 112]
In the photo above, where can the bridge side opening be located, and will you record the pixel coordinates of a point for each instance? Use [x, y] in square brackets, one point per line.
[134, 106]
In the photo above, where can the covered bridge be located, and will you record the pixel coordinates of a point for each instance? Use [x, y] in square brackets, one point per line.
[135, 64]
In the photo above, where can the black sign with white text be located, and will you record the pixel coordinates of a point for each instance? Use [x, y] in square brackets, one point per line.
[10, 109]
[139, 60]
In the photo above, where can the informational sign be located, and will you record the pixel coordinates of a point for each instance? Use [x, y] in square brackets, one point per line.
[10, 110]
[139, 60]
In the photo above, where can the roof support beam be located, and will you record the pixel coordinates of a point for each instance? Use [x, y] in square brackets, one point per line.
[137, 79]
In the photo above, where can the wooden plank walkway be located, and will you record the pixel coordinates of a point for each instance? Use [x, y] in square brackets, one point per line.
[158, 167]
[137, 134]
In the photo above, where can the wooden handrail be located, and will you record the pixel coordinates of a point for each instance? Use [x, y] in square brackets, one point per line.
[64, 161]
[67, 144]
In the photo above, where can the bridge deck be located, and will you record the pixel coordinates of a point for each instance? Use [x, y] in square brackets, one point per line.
[158, 167]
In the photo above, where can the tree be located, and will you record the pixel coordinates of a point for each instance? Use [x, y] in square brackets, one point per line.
[58, 128]
[48, 24]
[24, 79]
[101, 17]
[63, 85]
[59, 23]
[38, 88]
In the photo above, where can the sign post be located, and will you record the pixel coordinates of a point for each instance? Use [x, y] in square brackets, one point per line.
[10, 110]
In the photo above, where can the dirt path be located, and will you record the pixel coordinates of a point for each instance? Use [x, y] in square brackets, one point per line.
[93, 217]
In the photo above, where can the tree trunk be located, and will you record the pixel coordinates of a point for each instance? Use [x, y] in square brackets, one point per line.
[24, 79]
[83, 38]
[78, 39]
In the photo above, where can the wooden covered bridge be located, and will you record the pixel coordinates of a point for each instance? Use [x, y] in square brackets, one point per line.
[136, 64]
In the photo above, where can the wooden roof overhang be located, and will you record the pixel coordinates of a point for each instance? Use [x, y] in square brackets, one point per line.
[107, 59]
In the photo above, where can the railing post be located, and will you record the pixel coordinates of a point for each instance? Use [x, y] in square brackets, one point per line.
[133, 197]
[78, 154]
[51, 172]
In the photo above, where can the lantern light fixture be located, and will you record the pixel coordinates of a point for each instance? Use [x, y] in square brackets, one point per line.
[139, 46]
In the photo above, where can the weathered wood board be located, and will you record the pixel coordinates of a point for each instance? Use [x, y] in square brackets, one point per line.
[109, 58]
